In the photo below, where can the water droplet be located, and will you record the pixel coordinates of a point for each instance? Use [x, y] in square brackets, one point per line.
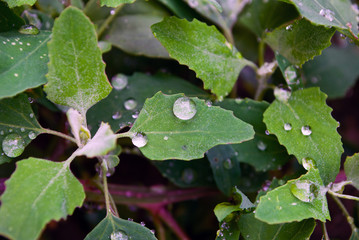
[227, 164]
[306, 130]
[290, 74]
[117, 115]
[142, 224]
[119, 235]
[16, 74]
[327, 13]
[139, 140]
[13, 43]
[10, 130]
[135, 115]
[22, 129]
[209, 103]
[184, 108]
[188, 175]
[289, 27]
[308, 163]
[304, 190]
[29, 29]
[266, 132]
[112, 12]
[119, 81]
[287, 127]
[130, 219]
[130, 104]
[165, 138]
[282, 94]
[31, 115]
[152, 231]
[32, 135]
[1, 132]
[13, 145]
[261, 146]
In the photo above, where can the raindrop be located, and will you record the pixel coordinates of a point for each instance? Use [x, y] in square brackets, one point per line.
[117, 115]
[139, 140]
[287, 127]
[306, 130]
[13, 145]
[10, 130]
[32, 135]
[22, 129]
[282, 94]
[304, 190]
[266, 132]
[130, 104]
[29, 29]
[130, 219]
[16, 74]
[227, 164]
[188, 175]
[119, 235]
[290, 75]
[327, 13]
[261, 146]
[289, 27]
[135, 115]
[31, 115]
[165, 138]
[119, 81]
[142, 224]
[184, 108]
[308, 163]
[152, 231]
[112, 12]
[209, 103]
[13, 43]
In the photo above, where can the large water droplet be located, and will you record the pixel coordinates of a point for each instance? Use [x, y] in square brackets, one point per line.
[308, 163]
[327, 13]
[290, 74]
[13, 145]
[119, 235]
[306, 130]
[287, 127]
[32, 135]
[117, 115]
[304, 190]
[227, 164]
[188, 175]
[261, 146]
[184, 108]
[130, 104]
[119, 81]
[282, 94]
[29, 29]
[139, 140]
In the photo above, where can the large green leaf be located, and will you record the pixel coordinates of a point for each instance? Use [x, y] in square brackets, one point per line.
[113, 227]
[305, 127]
[253, 229]
[335, 71]
[216, 61]
[23, 61]
[351, 167]
[16, 3]
[174, 134]
[76, 75]
[112, 109]
[281, 205]
[115, 3]
[300, 41]
[38, 191]
[17, 121]
[8, 19]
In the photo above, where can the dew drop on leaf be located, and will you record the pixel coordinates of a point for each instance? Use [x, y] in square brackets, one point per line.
[139, 140]
[31, 115]
[327, 13]
[32, 135]
[142, 224]
[188, 175]
[306, 130]
[227, 164]
[119, 235]
[287, 127]
[261, 146]
[184, 108]
[304, 190]
[29, 29]
[165, 138]
[289, 27]
[282, 94]
[130, 104]
[119, 81]
[135, 115]
[13, 145]
[308, 163]
[117, 115]
[290, 75]
[22, 129]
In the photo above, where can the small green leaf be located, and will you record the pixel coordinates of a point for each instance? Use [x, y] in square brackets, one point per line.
[17, 3]
[8, 19]
[351, 168]
[78, 130]
[38, 191]
[186, 134]
[217, 62]
[281, 205]
[300, 41]
[115, 3]
[76, 75]
[113, 227]
[306, 128]
[17, 118]
[23, 61]
[254, 229]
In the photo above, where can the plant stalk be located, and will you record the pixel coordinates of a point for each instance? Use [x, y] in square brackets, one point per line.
[59, 134]
[344, 210]
[109, 208]
[344, 196]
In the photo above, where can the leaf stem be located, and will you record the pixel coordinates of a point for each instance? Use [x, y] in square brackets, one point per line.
[261, 48]
[344, 210]
[59, 134]
[108, 20]
[228, 34]
[106, 192]
[325, 232]
[344, 196]
[161, 234]
[125, 134]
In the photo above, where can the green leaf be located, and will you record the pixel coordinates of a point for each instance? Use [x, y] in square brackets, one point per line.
[178, 8]
[23, 61]
[253, 229]
[290, 121]
[228, 228]
[112, 109]
[17, 3]
[111, 227]
[335, 71]
[217, 62]
[76, 75]
[185, 136]
[8, 19]
[330, 13]
[281, 205]
[38, 191]
[351, 168]
[115, 3]
[300, 41]
[17, 118]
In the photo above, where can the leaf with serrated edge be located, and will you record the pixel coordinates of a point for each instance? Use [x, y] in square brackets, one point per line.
[17, 117]
[172, 138]
[115, 3]
[308, 108]
[217, 63]
[17, 3]
[23, 61]
[351, 168]
[253, 229]
[76, 75]
[300, 41]
[112, 224]
[281, 206]
[36, 187]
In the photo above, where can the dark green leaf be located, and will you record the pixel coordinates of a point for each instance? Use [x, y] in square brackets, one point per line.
[351, 167]
[16, 3]
[8, 19]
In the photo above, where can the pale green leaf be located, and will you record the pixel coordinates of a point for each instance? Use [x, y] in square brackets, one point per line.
[17, 3]
[322, 143]
[217, 63]
[23, 61]
[115, 3]
[111, 225]
[38, 191]
[76, 75]
[170, 137]
[17, 118]
[351, 168]
[299, 41]
[281, 206]
[253, 229]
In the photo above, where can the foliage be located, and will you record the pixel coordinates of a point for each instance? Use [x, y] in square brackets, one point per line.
[229, 100]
